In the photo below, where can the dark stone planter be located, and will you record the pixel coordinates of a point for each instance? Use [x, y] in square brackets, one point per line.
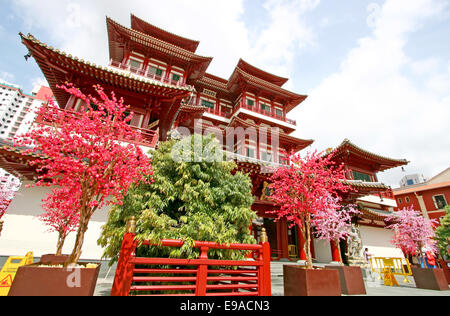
[299, 281]
[351, 279]
[430, 279]
[32, 280]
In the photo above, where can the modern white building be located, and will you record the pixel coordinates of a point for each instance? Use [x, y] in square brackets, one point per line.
[412, 179]
[17, 113]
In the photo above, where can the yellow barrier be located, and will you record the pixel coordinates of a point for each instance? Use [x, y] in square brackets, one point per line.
[388, 268]
[9, 271]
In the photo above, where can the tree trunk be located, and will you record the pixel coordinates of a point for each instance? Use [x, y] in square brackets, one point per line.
[60, 244]
[76, 253]
[307, 229]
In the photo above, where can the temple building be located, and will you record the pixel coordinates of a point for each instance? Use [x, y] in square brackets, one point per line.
[166, 83]
[374, 199]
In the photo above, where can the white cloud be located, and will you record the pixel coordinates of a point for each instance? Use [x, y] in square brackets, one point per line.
[38, 82]
[6, 77]
[373, 102]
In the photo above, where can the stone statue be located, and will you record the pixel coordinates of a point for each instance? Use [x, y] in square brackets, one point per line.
[355, 248]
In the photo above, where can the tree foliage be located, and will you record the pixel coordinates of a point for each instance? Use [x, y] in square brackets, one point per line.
[191, 200]
[8, 187]
[443, 233]
[413, 232]
[309, 186]
[89, 156]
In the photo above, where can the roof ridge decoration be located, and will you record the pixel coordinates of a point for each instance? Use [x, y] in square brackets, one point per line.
[143, 26]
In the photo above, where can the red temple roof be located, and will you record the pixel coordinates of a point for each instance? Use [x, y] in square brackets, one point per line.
[151, 30]
[121, 37]
[348, 152]
[56, 65]
[266, 76]
[292, 99]
[16, 160]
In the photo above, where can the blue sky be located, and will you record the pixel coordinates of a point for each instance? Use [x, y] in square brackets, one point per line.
[376, 72]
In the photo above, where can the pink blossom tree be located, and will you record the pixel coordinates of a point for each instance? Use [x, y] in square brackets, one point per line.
[334, 221]
[307, 187]
[7, 191]
[89, 156]
[60, 217]
[413, 232]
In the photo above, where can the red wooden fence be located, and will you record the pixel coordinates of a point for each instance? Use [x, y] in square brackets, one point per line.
[201, 277]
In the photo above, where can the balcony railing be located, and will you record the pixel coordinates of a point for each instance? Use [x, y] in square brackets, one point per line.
[148, 138]
[257, 109]
[146, 73]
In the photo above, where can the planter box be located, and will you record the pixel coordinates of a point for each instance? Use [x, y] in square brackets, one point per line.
[446, 269]
[299, 281]
[430, 279]
[351, 279]
[32, 280]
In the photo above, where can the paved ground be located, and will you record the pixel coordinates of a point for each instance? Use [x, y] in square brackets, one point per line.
[374, 287]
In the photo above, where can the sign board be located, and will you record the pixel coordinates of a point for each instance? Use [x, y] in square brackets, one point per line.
[9, 271]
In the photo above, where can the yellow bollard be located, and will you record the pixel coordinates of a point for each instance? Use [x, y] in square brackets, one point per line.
[9, 270]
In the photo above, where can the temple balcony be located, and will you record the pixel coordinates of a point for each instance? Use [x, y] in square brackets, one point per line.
[251, 110]
[126, 68]
[149, 138]
[257, 110]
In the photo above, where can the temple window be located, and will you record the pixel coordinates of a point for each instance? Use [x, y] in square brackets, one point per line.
[208, 104]
[439, 201]
[176, 77]
[265, 107]
[362, 176]
[250, 102]
[135, 63]
[156, 71]
[250, 152]
[266, 156]
[279, 112]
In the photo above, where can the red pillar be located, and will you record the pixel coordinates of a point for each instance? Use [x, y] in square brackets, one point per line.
[335, 251]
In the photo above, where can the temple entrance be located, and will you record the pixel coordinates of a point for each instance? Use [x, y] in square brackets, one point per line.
[293, 238]
[272, 234]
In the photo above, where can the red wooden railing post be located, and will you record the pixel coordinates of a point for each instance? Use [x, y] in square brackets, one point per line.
[124, 271]
[264, 281]
[202, 274]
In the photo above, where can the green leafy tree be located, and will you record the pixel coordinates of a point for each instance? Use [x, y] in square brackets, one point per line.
[443, 233]
[201, 199]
